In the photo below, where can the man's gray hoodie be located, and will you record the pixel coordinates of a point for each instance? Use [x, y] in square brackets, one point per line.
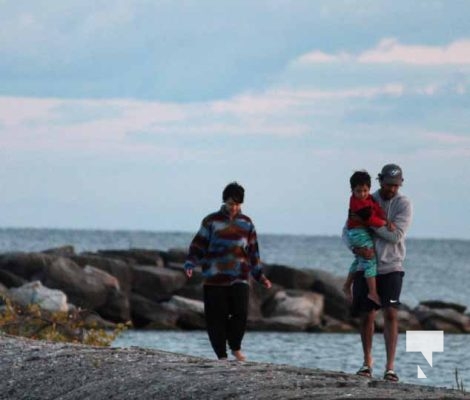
[390, 246]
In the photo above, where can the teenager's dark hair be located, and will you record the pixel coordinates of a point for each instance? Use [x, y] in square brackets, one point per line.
[360, 178]
[234, 191]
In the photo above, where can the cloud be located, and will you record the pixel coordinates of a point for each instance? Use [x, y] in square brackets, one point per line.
[282, 117]
[443, 138]
[318, 57]
[117, 122]
[390, 50]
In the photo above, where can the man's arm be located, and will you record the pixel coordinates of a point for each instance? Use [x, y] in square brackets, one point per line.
[401, 220]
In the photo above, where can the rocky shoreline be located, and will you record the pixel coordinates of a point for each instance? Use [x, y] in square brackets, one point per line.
[41, 370]
[149, 288]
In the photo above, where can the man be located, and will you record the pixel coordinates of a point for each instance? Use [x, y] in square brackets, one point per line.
[390, 252]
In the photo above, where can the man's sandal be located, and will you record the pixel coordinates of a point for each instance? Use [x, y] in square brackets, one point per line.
[390, 375]
[365, 370]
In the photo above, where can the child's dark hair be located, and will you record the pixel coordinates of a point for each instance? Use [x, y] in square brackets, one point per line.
[234, 191]
[360, 178]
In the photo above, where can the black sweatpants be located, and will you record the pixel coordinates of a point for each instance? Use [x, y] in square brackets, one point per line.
[226, 309]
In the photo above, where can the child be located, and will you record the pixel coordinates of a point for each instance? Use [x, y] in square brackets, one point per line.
[364, 212]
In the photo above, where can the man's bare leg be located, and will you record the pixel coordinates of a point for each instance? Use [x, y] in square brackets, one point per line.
[390, 335]
[367, 335]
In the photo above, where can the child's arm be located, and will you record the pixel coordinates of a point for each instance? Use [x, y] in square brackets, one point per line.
[377, 218]
[376, 222]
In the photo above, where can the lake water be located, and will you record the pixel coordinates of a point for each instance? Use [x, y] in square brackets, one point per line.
[435, 270]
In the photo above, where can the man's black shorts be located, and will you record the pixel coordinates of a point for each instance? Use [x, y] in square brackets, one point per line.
[388, 288]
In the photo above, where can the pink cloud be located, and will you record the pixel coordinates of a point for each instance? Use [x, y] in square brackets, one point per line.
[390, 50]
[448, 138]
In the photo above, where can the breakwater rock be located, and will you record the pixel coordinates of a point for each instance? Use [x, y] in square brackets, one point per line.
[149, 288]
[39, 370]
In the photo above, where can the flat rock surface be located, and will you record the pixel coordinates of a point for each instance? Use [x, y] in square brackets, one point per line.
[44, 370]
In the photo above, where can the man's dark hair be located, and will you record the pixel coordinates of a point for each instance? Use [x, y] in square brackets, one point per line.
[360, 178]
[234, 191]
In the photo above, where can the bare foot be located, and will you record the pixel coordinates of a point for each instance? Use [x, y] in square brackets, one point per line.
[375, 298]
[239, 355]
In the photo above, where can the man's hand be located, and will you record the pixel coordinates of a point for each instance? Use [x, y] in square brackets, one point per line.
[189, 272]
[364, 252]
[391, 226]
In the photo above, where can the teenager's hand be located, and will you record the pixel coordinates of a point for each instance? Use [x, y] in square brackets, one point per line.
[364, 252]
[267, 284]
[189, 272]
[391, 226]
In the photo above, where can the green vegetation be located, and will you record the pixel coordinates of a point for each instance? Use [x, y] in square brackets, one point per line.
[33, 322]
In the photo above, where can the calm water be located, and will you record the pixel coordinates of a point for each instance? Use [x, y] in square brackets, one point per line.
[435, 269]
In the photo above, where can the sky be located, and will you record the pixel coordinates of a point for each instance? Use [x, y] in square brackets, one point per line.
[136, 114]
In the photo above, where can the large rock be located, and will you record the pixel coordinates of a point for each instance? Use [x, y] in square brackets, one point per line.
[193, 289]
[99, 275]
[9, 279]
[336, 304]
[136, 256]
[289, 277]
[36, 293]
[333, 325]
[444, 304]
[29, 266]
[148, 313]
[176, 255]
[190, 312]
[157, 283]
[284, 323]
[84, 288]
[116, 267]
[177, 313]
[446, 319]
[63, 251]
[117, 307]
[184, 304]
[260, 298]
[299, 304]
[407, 321]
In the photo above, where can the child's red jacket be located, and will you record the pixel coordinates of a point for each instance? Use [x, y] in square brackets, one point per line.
[368, 210]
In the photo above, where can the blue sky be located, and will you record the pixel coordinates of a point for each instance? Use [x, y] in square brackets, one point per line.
[135, 114]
